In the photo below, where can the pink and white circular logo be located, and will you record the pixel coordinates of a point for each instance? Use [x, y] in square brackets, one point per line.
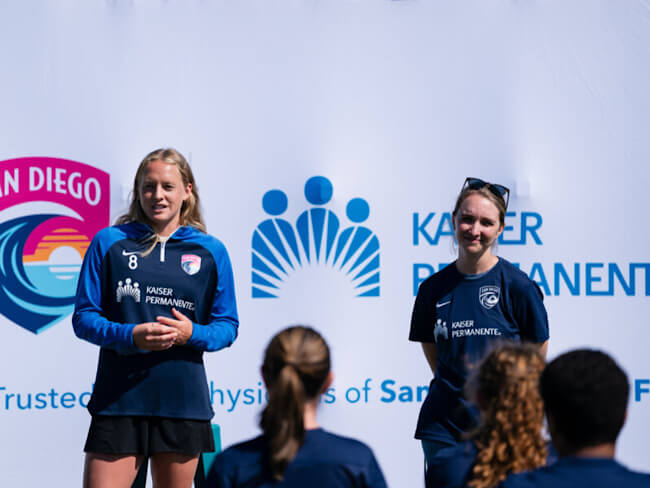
[50, 209]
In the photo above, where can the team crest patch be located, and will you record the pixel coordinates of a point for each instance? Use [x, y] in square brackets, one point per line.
[489, 295]
[191, 263]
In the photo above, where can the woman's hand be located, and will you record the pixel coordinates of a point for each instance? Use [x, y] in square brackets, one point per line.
[182, 325]
[154, 336]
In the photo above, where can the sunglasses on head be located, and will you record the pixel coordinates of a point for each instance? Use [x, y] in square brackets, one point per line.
[499, 190]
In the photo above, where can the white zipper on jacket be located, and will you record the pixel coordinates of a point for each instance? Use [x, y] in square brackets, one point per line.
[163, 243]
[162, 251]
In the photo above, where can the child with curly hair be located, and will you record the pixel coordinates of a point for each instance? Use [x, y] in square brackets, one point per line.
[509, 438]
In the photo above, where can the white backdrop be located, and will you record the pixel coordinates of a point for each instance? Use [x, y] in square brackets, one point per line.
[395, 102]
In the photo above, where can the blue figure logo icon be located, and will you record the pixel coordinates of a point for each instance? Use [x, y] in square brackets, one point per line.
[318, 239]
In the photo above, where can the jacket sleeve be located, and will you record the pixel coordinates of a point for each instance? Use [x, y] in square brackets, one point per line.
[222, 329]
[89, 320]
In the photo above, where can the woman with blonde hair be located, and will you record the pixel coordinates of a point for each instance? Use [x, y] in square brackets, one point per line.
[509, 437]
[293, 451]
[464, 308]
[155, 292]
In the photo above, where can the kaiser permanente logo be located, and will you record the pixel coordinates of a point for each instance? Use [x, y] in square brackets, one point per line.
[319, 239]
[50, 208]
[593, 278]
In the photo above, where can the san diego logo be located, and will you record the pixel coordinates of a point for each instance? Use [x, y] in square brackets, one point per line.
[318, 239]
[488, 296]
[50, 209]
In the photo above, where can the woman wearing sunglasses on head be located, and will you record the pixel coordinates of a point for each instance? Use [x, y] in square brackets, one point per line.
[464, 308]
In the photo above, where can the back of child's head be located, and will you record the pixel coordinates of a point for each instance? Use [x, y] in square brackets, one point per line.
[509, 439]
[585, 397]
[296, 366]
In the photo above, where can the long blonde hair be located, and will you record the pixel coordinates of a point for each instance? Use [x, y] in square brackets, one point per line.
[190, 210]
[509, 439]
[296, 366]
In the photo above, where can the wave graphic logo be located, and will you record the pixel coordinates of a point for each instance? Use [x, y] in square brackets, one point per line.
[318, 239]
[50, 208]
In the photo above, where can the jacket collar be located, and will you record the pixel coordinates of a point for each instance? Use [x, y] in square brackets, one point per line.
[140, 230]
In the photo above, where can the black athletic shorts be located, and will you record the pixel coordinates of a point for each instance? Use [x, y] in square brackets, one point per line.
[148, 435]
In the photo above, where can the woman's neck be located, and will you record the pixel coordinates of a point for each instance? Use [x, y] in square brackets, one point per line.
[165, 230]
[309, 416]
[475, 264]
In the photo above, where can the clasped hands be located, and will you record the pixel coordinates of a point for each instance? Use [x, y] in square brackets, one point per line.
[163, 334]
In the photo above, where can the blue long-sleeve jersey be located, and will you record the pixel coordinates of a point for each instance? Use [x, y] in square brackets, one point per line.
[121, 286]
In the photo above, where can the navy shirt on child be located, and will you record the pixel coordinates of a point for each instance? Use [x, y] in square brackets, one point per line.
[463, 315]
[324, 461]
[574, 472]
[451, 467]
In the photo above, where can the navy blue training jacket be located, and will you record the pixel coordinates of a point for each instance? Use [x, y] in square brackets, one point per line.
[120, 287]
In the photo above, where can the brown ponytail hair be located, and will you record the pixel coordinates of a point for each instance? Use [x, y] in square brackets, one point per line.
[296, 366]
[509, 439]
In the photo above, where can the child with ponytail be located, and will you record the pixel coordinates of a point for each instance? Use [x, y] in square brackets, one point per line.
[293, 450]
